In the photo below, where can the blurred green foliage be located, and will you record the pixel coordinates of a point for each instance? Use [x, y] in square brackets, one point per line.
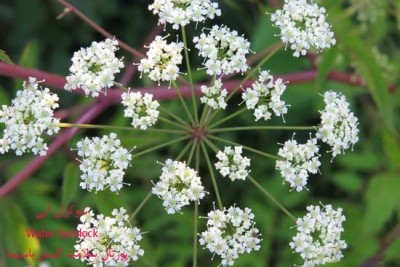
[365, 182]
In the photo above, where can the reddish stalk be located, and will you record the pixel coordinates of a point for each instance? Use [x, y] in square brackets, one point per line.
[67, 134]
[93, 25]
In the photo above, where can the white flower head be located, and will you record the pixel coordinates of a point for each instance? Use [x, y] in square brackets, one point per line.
[142, 109]
[182, 12]
[338, 124]
[223, 50]
[231, 163]
[161, 63]
[265, 97]
[230, 233]
[29, 117]
[318, 238]
[299, 161]
[103, 163]
[178, 185]
[112, 240]
[214, 96]
[93, 68]
[303, 25]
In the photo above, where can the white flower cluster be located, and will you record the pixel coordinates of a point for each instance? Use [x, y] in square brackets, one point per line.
[162, 60]
[338, 124]
[103, 163]
[28, 118]
[224, 52]
[142, 109]
[181, 12]
[318, 236]
[299, 161]
[230, 233]
[214, 96]
[303, 25]
[178, 185]
[93, 68]
[113, 242]
[265, 94]
[231, 163]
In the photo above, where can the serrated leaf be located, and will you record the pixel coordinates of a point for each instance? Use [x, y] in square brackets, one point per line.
[70, 184]
[5, 58]
[382, 201]
[393, 251]
[326, 62]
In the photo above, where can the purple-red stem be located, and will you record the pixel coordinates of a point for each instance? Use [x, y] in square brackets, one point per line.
[99, 29]
[67, 134]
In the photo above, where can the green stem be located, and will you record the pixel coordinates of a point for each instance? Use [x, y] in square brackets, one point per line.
[276, 202]
[195, 230]
[189, 70]
[211, 145]
[184, 150]
[111, 127]
[246, 148]
[203, 113]
[250, 128]
[184, 123]
[206, 108]
[178, 92]
[240, 111]
[173, 123]
[191, 153]
[160, 146]
[274, 49]
[121, 86]
[214, 181]
[141, 205]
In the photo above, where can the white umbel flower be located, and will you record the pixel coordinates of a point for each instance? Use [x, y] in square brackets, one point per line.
[265, 96]
[230, 233]
[338, 124]
[161, 63]
[231, 163]
[112, 240]
[318, 238]
[142, 109]
[214, 96]
[29, 117]
[182, 12]
[178, 185]
[299, 161]
[93, 68]
[223, 50]
[303, 25]
[103, 163]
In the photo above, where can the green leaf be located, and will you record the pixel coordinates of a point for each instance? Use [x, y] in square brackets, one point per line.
[382, 198]
[70, 184]
[351, 182]
[16, 225]
[326, 62]
[5, 58]
[106, 201]
[391, 145]
[30, 55]
[393, 252]
[367, 66]
[359, 161]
